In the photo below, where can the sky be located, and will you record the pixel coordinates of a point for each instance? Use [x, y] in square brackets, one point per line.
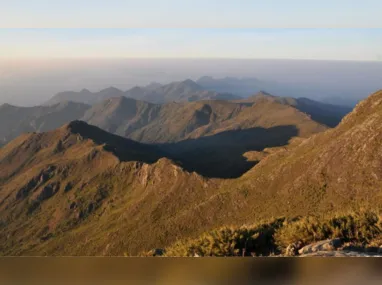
[284, 43]
[47, 46]
[294, 29]
[190, 13]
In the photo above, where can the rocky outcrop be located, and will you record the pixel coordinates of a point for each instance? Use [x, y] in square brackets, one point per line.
[341, 253]
[326, 245]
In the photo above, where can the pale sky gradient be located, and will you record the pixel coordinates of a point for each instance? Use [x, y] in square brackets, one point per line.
[328, 44]
[190, 13]
[47, 46]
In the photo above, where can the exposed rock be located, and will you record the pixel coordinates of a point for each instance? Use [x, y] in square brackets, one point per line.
[326, 245]
[48, 191]
[35, 182]
[341, 254]
[24, 191]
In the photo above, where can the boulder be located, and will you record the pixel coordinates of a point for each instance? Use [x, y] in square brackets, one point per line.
[326, 245]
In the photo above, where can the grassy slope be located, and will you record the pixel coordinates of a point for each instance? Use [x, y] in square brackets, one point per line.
[106, 202]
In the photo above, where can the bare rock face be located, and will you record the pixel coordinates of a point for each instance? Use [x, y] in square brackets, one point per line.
[326, 245]
[341, 253]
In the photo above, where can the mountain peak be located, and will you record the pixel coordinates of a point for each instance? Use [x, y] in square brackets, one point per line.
[191, 83]
[75, 124]
[76, 127]
[110, 89]
[264, 93]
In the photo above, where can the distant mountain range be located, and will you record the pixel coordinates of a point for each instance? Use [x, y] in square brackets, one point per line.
[245, 87]
[239, 86]
[183, 91]
[84, 96]
[187, 130]
[79, 190]
[141, 119]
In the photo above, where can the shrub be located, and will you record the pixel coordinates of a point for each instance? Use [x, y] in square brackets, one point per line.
[357, 227]
[363, 228]
[229, 241]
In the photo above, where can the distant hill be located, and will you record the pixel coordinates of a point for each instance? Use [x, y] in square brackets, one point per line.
[81, 191]
[240, 86]
[183, 91]
[17, 120]
[84, 96]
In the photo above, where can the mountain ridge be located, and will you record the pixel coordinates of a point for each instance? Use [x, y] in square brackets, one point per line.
[181, 91]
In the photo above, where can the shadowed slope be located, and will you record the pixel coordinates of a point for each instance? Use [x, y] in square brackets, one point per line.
[222, 155]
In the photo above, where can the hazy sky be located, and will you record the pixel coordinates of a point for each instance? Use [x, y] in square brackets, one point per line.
[333, 44]
[47, 46]
[191, 13]
[298, 29]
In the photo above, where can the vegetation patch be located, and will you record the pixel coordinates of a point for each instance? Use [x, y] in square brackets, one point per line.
[274, 237]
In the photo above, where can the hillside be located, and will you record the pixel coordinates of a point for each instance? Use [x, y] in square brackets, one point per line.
[325, 177]
[334, 171]
[68, 192]
[326, 114]
[17, 120]
[63, 190]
